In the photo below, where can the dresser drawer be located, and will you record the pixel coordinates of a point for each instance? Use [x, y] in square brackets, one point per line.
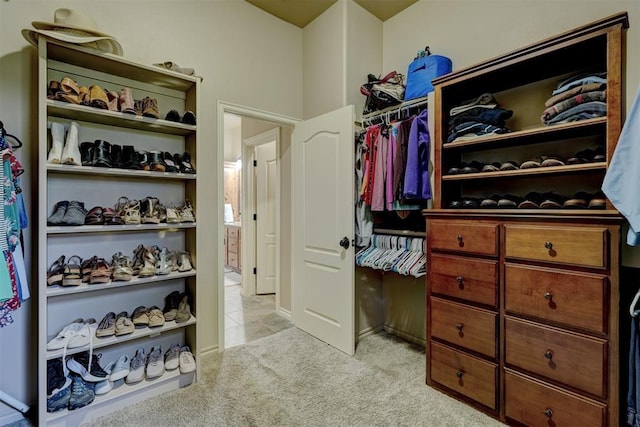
[465, 278]
[576, 360]
[463, 236]
[535, 404]
[233, 232]
[468, 375]
[468, 327]
[232, 260]
[584, 246]
[574, 299]
[232, 245]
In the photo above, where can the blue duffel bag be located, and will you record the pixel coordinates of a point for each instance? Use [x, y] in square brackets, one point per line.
[424, 68]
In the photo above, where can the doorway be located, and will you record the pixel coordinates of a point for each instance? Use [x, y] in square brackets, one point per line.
[250, 294]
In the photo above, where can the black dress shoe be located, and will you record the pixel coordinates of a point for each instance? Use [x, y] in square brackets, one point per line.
[129, 158]
[156, 161]
[185, 163]
[116, 156]
[101, 153]
[168, 161]
[86, 153]
[173, 116]
[189, 118]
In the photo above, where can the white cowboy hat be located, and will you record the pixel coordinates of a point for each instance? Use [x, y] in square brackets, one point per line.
[72, 26]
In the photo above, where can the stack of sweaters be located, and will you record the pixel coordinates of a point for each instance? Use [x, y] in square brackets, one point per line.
[477, 117]
[579, 97]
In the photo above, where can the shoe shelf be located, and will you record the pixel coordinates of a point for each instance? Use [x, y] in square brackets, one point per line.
[58, 291]
[129, 173]
[540, 171]
[144, 332]
[56, 182]
[113, 118]
[125, 390]
[532, 136]
[119, 228]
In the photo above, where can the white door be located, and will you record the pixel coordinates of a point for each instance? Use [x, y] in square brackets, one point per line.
[266, 181]
[323, 227]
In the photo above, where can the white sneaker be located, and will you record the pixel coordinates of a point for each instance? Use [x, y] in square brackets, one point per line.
[71, 150]
[155, 363]
[121, 368]
[84, 335]
[57, 142]
[105, 386]
[187, 361]
[63, 337]
[136, 373]
[172, 358]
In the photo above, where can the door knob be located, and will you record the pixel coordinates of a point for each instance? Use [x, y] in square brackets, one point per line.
[344, 242]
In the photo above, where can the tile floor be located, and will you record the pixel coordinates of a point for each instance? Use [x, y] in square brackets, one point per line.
[248, 318]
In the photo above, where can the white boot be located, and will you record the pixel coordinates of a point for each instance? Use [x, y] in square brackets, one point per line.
[57, 137]
[71, 151]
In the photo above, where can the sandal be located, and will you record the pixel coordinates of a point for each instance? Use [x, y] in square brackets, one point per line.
[121, 205]
[56, 272]
[149, 210]
[111, 217]
[86, 267]
[94, 217]
[132, 213]
[138, 259]
[172, 215]
[185, 262]
[72, 275]
[148, 268]
[186, 213]
[101, 272]
[122, 267]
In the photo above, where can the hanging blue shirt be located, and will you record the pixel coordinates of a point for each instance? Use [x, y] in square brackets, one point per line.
[620, 183]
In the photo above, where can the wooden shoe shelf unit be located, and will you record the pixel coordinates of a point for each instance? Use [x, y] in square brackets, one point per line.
[522, 304]
[96, 186]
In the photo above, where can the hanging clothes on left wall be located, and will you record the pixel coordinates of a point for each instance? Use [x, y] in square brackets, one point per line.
[14, 287]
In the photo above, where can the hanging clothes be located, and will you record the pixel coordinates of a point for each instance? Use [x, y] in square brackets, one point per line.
[633, 394]
[416, 179]
[364, 218]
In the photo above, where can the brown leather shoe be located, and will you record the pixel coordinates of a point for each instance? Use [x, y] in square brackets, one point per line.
[150, 108]
[126, 101]
[98, 97]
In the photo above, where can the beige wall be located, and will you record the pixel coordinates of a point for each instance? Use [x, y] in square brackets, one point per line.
[245, 56]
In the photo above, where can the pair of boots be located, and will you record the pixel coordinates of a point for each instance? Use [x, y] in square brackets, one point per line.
[66, 152]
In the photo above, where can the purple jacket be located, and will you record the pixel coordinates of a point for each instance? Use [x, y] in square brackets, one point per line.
[416, 176]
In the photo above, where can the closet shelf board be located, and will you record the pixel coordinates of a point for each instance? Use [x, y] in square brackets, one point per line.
[60, 291]
[549, 170]
[118, 228]
[98, 171]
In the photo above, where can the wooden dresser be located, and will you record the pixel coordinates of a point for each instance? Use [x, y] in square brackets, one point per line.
[232, 252]
[523, 303]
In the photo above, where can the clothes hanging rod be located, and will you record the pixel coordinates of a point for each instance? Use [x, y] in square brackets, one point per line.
[368, 118]
[411, 233]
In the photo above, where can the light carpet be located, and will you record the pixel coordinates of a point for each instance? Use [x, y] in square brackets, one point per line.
[293, 379]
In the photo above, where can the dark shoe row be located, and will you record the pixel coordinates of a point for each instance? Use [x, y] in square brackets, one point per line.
[187, 118]
[104, 154]
[533, 200]
[583, 156]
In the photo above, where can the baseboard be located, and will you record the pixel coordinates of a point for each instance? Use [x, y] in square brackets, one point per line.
[207, 351]
[284, 313]
[404, 336]
[369, 331]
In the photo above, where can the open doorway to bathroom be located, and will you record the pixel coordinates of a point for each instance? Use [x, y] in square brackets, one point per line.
[251, 252]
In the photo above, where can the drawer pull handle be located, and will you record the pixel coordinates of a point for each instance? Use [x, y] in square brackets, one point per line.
[459, 374]
[548, 245]
[459, 238]
[548, 413]
[548, 296]
[548, 354]
[459, 280]
[459, 326]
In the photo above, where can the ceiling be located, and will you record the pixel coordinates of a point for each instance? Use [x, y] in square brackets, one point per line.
[301, 12]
